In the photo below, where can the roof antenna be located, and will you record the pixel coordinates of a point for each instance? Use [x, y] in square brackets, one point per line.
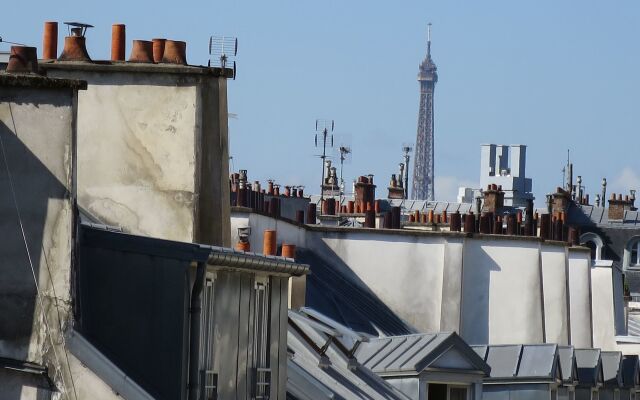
[429, 39]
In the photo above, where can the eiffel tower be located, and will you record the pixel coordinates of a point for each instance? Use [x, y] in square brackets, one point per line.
[422, 187]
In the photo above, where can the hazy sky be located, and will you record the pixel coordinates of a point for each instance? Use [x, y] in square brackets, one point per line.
[549, 74]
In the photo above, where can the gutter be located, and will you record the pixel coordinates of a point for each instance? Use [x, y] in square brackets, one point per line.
[257, 263]
[195, 310]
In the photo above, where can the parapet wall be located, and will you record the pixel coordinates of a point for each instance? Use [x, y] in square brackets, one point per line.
[489, 288]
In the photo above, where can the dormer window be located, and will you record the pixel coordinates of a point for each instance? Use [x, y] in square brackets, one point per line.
[632, 253]
[593, 241]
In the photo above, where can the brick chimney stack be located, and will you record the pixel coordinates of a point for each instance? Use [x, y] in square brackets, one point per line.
[493, 199]
[617, 206]
[396, 191]
[365, 192]
[560, 201]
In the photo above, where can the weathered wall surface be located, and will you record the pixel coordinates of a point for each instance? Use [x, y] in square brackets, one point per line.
[490, 289]
[406, 272]
[604, 329]
[37, 134]
[580, 298]
[554, 282]
[153, 153]
[234, 327]
[502, 297]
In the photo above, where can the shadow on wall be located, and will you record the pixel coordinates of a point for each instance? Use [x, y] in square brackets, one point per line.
[336, 291]
[476, 284]
[34, 187]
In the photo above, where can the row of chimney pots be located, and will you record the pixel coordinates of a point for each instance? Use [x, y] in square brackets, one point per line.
[24, 59]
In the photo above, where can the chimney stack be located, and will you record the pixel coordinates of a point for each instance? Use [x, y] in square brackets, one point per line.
[50, 41]
[118, 38]
[23, 60]
[617, 206]
[75, 48]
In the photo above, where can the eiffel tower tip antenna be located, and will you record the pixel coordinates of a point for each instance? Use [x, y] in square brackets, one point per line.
[429, 38]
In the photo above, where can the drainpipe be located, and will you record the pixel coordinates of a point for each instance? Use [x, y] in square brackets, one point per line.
[194, 339]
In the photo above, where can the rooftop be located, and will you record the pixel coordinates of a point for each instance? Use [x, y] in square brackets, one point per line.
[38, 81]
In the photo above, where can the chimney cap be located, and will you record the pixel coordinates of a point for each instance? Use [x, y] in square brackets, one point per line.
[82, 26]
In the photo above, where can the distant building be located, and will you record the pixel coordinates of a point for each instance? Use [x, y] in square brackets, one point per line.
[505, 166]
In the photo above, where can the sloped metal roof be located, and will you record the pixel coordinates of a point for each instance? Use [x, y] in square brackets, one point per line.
[568, 364]
[411, 354]
[612, 368]
[337, 378]
[521, 362]
[591, 215]
[108, 237]
[589, 366]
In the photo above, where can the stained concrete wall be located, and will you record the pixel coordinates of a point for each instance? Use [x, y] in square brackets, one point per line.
[580, 298]
[37, 133]
[405, 272]
[602, 306]
[502, 295]
[153, 150]
[490, 289]
[554, 282]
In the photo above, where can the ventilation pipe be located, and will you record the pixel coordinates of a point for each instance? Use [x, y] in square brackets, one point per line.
[288, 250]
[118, 38]
[269, 244]
[50, 41]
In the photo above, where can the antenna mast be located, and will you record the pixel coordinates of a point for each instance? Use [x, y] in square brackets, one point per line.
[406, 149]
[429, 39]
[324, 129]
[344, 152]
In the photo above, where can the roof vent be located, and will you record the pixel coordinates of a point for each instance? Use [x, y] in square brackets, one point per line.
[75, 48]
[23, 60]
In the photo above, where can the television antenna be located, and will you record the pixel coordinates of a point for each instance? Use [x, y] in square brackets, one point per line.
[13, 43]
[324, 132]
[406, 149]
[222, 53]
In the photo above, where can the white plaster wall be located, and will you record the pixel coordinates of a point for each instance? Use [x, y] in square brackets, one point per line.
[580, 297]
[137, 157]
[452, 284]
[554, 283]
[502, 299]
[404, 271]
[602, 307]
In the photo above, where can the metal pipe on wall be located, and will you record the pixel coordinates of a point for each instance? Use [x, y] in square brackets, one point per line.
[194, 334]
